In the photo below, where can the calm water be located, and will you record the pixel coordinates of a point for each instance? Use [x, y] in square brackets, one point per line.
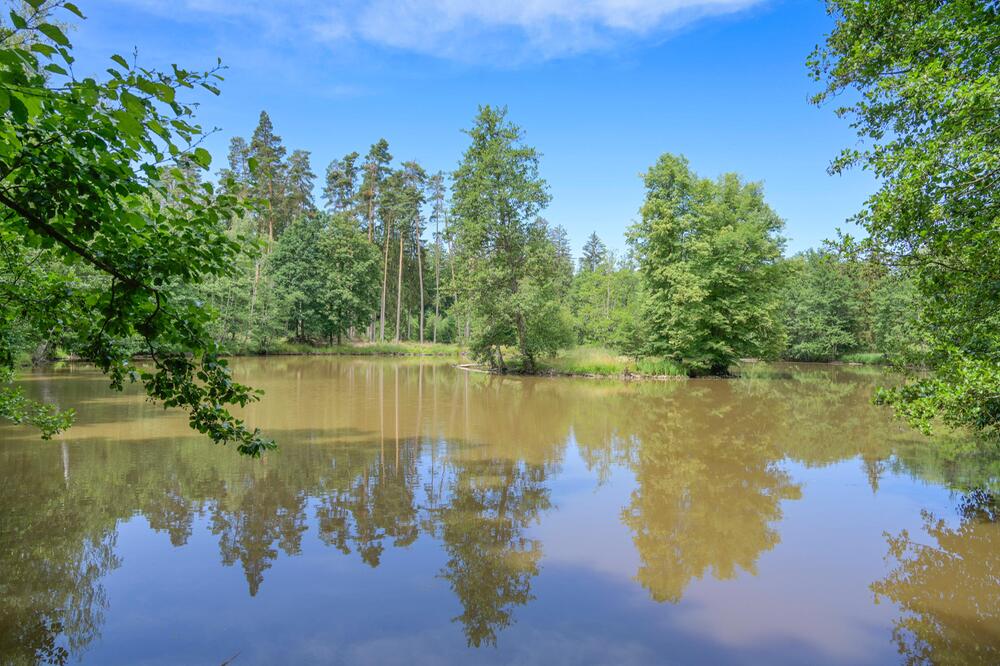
[419, 514]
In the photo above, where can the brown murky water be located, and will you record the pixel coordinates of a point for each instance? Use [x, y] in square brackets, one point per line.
[419, 514]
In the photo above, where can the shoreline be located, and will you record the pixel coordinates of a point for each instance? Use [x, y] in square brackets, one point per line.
[387, 350]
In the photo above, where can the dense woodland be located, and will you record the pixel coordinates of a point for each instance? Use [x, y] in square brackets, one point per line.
[119, 239]
[388, 255]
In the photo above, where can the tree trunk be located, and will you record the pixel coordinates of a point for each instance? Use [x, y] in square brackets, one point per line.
[399, 286]
[253, 300]
[41, 353]
[437, 277]
[454, 286]
[385, 279]
[420, 272]
[522, 342]
[371, 204]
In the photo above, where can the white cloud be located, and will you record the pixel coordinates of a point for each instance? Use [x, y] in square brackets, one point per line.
[469, 30]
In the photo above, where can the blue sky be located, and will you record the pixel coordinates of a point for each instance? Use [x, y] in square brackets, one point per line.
[601, 87]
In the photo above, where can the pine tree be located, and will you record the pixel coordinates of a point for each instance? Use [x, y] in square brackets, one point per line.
[268, 179]
[594, 253]
[299, 197]
[340, 191]
[375, 168]
[438, 212]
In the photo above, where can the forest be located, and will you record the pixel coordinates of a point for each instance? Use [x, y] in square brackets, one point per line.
[393, 254]
[119, 239]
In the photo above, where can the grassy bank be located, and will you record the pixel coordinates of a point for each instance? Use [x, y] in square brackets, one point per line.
[599, 362]
[353, 349]
[864, 358]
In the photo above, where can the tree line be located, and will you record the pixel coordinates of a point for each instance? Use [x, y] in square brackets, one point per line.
[704, 280]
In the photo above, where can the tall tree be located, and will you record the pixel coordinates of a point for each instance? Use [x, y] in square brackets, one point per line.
[299, 268]
[392, 206]
[236, 177]
[709, 253]
[922, 79]
[438, 213]
[594, 253]
[301, 179]
[563, 255]
[508, 260]
[351, 276]
[341, 188]
[416, 179]
[269, 176]
[375, 168]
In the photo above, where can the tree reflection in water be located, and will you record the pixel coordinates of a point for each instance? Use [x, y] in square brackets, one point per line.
[468, 461]
[490, 561]
[707, 491]
[948, 591]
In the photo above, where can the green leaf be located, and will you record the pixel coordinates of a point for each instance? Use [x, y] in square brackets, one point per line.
[128, 124]
[202, 157]
[45, 49]
[69, 6]
[18, 20]
[120, 60]
[19, 110]
[54, 33]
[133, 104]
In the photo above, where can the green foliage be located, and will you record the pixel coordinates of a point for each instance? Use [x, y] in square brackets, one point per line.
[896, 328]
[341, 182]
[351, 276]
[49, 419]
[298, 267]
[512, 273]
[922, 80]
[604, 299]
[659, 367]
[82, 185]
[595, 254]
[709, 254]
[824, 311]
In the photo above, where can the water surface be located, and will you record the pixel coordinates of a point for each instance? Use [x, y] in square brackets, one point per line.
[419, 514]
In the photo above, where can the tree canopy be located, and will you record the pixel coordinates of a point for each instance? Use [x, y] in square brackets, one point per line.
[83, 164]
[509, 262]
[709, 253]
[920, 82]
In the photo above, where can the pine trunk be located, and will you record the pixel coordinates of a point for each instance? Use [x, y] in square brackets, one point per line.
[420, 272]
[385, 280]
[399, 286]
[437, 277]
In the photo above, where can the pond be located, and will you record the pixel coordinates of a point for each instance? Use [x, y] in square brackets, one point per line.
[417, 513]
